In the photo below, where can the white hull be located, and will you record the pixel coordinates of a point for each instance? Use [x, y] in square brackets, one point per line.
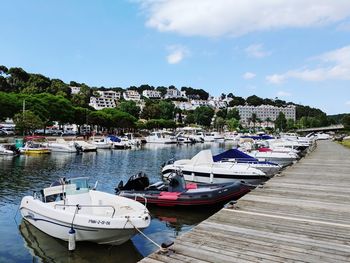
[101, 218]
[59, 229]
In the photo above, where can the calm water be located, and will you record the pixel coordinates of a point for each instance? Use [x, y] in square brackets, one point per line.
[20, 176]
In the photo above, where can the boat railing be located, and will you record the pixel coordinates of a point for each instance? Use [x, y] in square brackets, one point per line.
[143, 197]
[89, 206]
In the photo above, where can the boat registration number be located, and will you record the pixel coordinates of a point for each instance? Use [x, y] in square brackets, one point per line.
[99, 222]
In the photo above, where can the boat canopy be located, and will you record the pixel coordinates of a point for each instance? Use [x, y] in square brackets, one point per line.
[203, 157]
[114, 138]
[233, 154]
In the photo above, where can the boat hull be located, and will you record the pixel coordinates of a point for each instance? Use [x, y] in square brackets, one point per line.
[216, 178]
[60, 229]
[211, 195]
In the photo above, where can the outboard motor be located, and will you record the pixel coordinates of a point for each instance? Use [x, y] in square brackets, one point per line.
[177, 182]
[78, 147]
[137, 182]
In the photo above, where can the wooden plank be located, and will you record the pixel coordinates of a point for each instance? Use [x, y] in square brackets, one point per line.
[301, 215]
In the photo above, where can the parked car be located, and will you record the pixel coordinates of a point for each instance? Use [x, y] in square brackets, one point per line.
[7, 131]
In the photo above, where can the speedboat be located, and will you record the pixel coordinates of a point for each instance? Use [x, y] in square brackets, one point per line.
[282, 158]
[61, 145]
[71, 206]
[35, 145]
[8, 150]
[161, 137]
[236, 156]
[102, 143]
[202, 169]
[178, 193]
[86, 147]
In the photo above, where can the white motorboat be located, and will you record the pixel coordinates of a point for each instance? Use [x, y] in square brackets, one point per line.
[161, 137]
[201, 168]
[61, 145]
[93, 216]
[236, 156]
[322, 136]
[281, 158]
[102, 143]
[86, 147]
[5, 150]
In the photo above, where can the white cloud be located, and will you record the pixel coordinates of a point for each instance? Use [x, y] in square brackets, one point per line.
[249, 75]
[239, 17]
[282, 94]
[256, 51]
[331, 65]
[177, 54]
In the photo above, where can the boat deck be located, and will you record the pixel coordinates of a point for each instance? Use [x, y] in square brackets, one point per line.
[301, 215]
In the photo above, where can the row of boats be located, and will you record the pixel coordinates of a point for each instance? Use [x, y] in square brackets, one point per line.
[71, 210]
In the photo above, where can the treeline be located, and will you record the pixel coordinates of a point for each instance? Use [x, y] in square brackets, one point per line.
[52, 100]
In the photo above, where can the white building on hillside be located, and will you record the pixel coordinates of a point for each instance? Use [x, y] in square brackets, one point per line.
[264, 112]
[173, 94]
[104, 99]
[74, 90]
[109, 94]
[131, 95]
[99, 103]
[183, 105]
[152, 94]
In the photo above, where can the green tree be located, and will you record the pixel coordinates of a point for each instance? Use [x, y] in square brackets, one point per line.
[9, 105]
[219, 123]
[233, 114]
[346, 122]
[254, 100]
[222, 113]
[130, 107]
[27, 122]
[203, 115]
[190, 118]
[253, 119]
[236, 101]
[281, 122]
[232, 124]
[166, 110]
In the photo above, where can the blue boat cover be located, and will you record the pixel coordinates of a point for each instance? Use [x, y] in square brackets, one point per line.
[239, 156]
[258, 137]
[233, 154]
[114, 138]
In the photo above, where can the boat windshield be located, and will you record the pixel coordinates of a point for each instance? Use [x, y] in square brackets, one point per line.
[81, 186]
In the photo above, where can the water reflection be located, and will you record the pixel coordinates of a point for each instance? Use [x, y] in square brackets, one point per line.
[20, 176]
[50, 249]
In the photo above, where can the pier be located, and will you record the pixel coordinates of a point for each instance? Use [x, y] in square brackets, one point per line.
[300, 215]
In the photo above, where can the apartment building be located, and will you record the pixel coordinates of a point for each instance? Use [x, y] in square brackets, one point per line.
[152, 94]
[264, 112]
[131, 95]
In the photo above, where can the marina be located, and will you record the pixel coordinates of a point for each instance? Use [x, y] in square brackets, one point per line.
[300, 215]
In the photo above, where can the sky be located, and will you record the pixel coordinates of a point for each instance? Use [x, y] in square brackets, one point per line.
[296, 50]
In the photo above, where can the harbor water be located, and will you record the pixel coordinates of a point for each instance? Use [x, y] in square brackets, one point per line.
[21, 175]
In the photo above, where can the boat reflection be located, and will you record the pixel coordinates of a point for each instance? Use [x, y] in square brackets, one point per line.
[181, 219]
[50, 249]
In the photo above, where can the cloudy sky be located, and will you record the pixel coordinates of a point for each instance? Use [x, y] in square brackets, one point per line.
[294, 50]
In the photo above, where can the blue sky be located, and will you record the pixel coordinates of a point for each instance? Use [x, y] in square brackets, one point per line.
[295, 50]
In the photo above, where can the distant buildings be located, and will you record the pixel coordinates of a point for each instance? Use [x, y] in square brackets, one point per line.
[75, 90]
[173, 93]
[131, 95]
[264, 112]
[152, 94]
[104, 99]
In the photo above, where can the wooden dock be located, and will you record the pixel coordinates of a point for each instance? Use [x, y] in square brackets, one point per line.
[301, 215]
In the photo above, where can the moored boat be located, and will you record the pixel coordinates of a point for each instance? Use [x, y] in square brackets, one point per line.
[93, 215]
[179, 194]
[35, 145]
[201, 168]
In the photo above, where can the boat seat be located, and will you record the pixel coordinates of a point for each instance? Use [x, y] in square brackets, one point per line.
[156, 186]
